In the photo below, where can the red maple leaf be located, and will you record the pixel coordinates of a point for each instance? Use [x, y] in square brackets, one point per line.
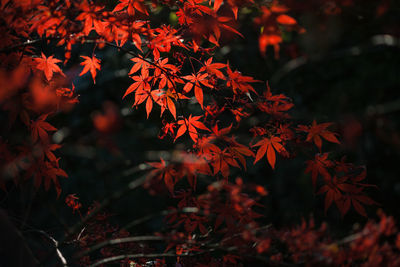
[344, 194]
[72, 201]
[48, 66]
[356, 200]
[239, 113]
[131, 6]
[269, 145]
[90, 14]
[213, 68]
[167, 128]
[148, 95]
[222, 161]
[90, 64]
[206, 147]
[166, 172]
[238, 151]
[47, 172]
[140, 64]
[48, 150]
[316, 131]
[196, 80]
[240, 83]
[165, 100]
[332, 194]
[318, 166]
[40, 128]
[142, 82]
[275, 105]
[190, 125]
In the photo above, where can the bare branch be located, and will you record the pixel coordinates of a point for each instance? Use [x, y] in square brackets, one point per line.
[119, 241]
[55, 242]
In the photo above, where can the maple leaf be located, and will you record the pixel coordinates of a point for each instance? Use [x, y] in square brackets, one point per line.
[165, 100]
[163, 66]
[39, 129]
[191, 166]
[269, 145]
[206, 147]
[162, 40]
[316, 131]
[318, 166]
[166, 172]
[239, 113]
[141, 83]
[190, 125]
[148, 95]
[90, 64]
[344, 194]
[50, 172]
[274, 98]
[48, 65]
[235, 150]
[72, 201]
[221, 133]
[195, 81]
[131, 6]
[47, 171]
[240, 83]
[275, 105]
[285, 132]
[356, 200]
[140, 63]
[171, 106]
[221, 162]
[332, 194]
[238, 151]
[167, 128]
[48, 150]
[217, 4]
[213, 68]
[90, 14]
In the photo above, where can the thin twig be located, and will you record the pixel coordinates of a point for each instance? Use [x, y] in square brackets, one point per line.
[55, 242]
[116, 195]
[119, 241]
[139, 255]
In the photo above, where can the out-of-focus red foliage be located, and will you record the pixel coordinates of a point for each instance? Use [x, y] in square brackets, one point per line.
[109, 121]
[271, 21]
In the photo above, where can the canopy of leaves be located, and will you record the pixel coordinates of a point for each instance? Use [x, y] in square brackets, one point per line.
[188, 157]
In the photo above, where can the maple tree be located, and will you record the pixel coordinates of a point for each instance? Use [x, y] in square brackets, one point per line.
[220, 123]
